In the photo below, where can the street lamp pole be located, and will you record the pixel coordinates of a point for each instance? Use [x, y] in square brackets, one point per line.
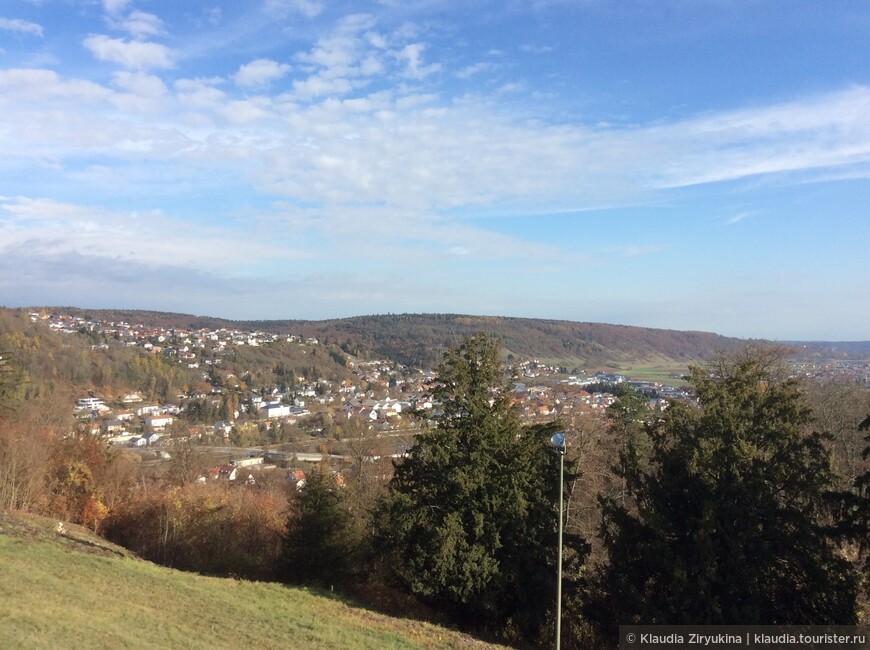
[558, 442]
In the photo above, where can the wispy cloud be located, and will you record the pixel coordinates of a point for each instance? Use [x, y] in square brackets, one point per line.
[143, 238]
[636, 250]
[113, 7]
[137, 55]
[412, 56]
[283, 8]
[260, 73]
[23, 26]
[740, 216]
[472, 70]
[536, 49]
[817, 132]
[142, 25]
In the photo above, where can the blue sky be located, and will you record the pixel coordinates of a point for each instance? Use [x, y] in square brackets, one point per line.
[683, 164]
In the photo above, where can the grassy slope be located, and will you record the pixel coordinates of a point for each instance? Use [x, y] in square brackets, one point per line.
[78, 591]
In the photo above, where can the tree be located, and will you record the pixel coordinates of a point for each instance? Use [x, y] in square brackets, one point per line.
[77, 471]
[731, 513]
[855, 514]
[186, 463]
[322, 542]
[838, 409]
[11, 378]
[469, 522]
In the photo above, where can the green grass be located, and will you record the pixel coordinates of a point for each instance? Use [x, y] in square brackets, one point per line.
[658, 373]
[78, 591]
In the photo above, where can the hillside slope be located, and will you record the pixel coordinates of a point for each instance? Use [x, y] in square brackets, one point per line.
[419, 339]
[75, 590]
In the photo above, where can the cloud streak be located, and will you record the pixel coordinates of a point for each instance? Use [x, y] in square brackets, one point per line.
[138, 55]
[22, 26]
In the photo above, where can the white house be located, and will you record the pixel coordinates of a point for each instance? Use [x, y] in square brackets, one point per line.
[91, 404]
[151, 438]
[152, 409]
[276, 411]
[158, 422]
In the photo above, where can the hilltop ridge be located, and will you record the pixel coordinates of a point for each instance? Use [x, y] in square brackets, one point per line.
[419, 339]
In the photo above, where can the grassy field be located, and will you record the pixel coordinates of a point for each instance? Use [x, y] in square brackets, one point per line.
[75, 590]
[658, 373]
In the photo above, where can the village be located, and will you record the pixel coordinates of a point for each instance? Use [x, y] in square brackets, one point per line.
[284, 426]
[278, 426]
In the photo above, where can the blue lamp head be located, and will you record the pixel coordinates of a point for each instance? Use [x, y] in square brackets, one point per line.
[557, 440]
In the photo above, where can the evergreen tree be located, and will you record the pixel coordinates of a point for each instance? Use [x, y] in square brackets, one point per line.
[729, 518]
[469, 519]
[322, 542]
[855, 519]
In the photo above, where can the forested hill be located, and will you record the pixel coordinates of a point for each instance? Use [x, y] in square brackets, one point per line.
[419, 339]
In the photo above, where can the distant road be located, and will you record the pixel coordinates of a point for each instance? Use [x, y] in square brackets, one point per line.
[246, 452]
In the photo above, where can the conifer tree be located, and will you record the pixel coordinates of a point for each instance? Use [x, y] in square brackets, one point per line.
[729, 520]
[469, 521]
[322, 542]
[855, 513]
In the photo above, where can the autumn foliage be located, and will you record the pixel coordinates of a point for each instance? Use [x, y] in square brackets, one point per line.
[213, 528]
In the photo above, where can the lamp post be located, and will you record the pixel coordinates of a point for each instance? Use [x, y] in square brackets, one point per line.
[557, 441]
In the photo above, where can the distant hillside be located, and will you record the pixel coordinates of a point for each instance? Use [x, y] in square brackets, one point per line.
[419, 339]
[75, 590]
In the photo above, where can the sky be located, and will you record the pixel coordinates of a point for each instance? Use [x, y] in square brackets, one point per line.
[680, 164]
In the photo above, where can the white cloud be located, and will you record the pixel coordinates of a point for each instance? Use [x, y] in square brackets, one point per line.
[812, 133]
[23, 26]
[139, 83]
[283, 8]
[414, 156]
[740, 216]
[477, 68]
[115, 6]
[412, 56]
[340, 51]
[142, 25]
[136, 55]
[246, 111]
[34, 85]
[56, 228]
[199, 94]
[144, 92]
[344, 60]
[260, 73]
[536, 49]
[320, 86]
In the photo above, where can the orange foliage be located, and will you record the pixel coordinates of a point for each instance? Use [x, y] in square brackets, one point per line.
[215, 528]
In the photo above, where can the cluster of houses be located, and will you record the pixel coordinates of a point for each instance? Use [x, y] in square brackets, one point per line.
[379, 392]
[195, 348]
[149, 421]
